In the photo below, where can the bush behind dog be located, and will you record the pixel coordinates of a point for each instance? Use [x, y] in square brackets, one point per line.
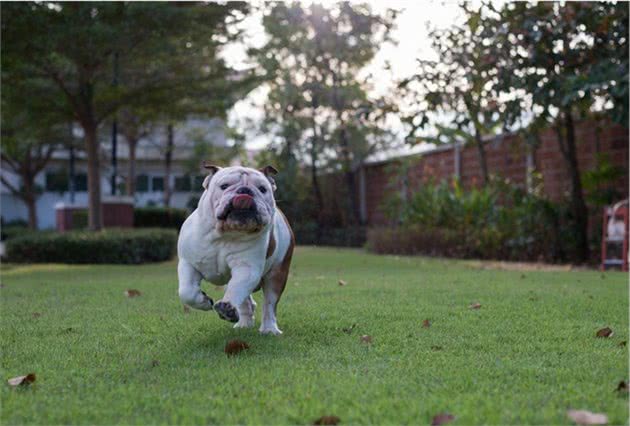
[128, 246]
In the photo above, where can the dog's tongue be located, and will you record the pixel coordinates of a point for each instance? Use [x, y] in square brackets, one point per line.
[242, 201]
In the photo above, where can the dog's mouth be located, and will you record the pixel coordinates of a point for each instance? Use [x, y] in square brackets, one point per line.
[241, 208]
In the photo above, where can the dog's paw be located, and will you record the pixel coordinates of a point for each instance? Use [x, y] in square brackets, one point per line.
[273, 329]
[226, 311]
[244, 322]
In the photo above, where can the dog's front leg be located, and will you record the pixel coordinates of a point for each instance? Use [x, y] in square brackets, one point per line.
[235, 306]
[189, 289]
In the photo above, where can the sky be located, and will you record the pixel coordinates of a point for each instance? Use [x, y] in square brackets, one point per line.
[411, 34]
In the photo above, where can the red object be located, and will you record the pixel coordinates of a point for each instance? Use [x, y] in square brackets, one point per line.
[116, 214]
[619, 214]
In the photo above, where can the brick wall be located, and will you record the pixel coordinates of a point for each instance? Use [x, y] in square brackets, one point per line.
[506, 157]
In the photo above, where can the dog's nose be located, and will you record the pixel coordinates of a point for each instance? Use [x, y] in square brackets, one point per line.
[245, 190]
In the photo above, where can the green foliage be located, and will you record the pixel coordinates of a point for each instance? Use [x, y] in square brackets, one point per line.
[599, 182]
[159, 217]
[110, 246]
[318, 110]
[497, 221]
[308, 233]
[561, 56]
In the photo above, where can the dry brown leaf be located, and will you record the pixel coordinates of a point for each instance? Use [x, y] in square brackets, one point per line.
[622, 387]
[366, 339]
[327, 420]
[36, 315]
[348, 330]
[234, 347]
[583, 417]
[132, 293]
[442, 419]
[342, 283]
[22, 380]
[474, 306]
[605, 332]
[426, 323]
[186, 309]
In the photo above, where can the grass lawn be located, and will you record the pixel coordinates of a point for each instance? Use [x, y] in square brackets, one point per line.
[526, 356]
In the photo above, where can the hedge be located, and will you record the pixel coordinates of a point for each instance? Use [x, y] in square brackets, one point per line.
[308, 234]
[128, 246]
[159, 217]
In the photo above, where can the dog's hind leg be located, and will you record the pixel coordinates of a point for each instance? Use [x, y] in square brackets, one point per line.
[189, 287]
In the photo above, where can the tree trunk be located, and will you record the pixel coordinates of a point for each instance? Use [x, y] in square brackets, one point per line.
[483, 163]
[95, 213]
[168, 160]
[578, 205]
[354, 212]
[29, 197]
[131, 169]
[32, 212]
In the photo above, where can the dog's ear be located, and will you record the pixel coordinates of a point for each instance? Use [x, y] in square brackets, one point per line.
[212, 171]
[270, 172]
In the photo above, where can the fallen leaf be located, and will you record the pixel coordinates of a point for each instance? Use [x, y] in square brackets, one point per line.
[327, 420]
[475, 306]
[366, 339]
[348, 330]
[36, 315]
[186, 309]
[623, 344]
[605, 332]
[442, 419]
[583, 417]
[233, 347]
[426, 323]
[22, 380]
[622, 387]
[342, 283]
[132, 293]
[155, 363]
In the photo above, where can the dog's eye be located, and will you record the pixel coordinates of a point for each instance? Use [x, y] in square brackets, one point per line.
[262, 189]
[224, 186]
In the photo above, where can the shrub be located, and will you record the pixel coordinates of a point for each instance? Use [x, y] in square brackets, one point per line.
[499, 221]
[109, 246]
[159, 217]
[308, 234]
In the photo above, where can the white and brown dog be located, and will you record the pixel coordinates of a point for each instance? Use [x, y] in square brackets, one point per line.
[236, 236]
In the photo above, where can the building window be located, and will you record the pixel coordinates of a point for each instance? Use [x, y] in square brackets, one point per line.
[57, 181]
[182, 183]
[157, 183]
[198, 183]
[142, 183]
[80, 182]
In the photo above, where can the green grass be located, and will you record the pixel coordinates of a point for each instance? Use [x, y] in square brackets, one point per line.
[526, 356]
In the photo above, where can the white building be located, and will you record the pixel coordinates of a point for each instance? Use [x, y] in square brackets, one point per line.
[150, 173]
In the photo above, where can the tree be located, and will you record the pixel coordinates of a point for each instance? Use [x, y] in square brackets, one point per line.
[31, 132]
[558, 62]
[454, 94]
[72, 45]
[312, 61]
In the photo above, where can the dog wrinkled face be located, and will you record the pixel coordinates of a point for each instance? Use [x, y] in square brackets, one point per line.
[241, 199]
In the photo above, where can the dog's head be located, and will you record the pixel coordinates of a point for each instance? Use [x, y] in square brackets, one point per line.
[239, 199]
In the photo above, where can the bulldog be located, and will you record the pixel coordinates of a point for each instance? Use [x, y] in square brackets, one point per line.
[236, 236]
